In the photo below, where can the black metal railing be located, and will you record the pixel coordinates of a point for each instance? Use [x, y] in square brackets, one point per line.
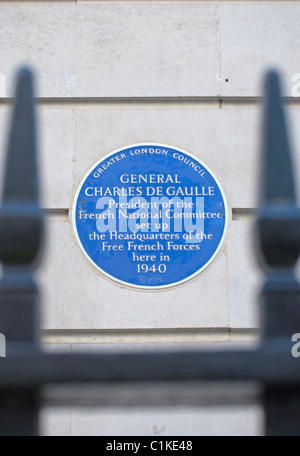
[267, 374]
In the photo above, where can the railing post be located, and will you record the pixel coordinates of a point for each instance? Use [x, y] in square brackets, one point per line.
[20, 236]
[279, 236]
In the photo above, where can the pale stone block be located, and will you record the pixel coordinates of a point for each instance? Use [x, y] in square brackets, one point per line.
[55, 422]
[55, 154]
[2, 346]
[57, 133]
[226, 140]
[74, 296]
[255, 38]
[2, 86]
[245, 277]
[113, 50]
[168, 422]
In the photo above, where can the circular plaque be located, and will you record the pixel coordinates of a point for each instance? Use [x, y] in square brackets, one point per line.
[150, 216]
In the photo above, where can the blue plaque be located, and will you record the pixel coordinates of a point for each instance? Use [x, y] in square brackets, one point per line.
[150, 216]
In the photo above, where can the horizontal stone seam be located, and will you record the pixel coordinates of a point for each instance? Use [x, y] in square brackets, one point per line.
[154, 99]
[158, 103]
[148, 336]
[147, 330]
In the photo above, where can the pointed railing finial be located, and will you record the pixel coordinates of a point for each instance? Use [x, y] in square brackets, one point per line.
[278, 184]
[279, 217]
[21, 166]
[20, 216]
